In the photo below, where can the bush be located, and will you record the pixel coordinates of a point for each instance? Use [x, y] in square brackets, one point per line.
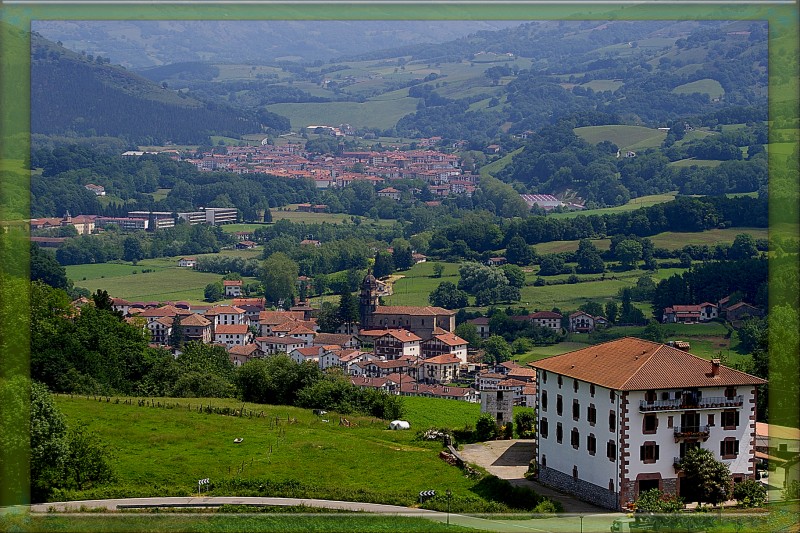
[792, 491]
[485, 428]
[750, 493]
[508, 430]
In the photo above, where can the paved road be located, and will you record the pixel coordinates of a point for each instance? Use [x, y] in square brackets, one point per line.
[509, 460]
[560, 524]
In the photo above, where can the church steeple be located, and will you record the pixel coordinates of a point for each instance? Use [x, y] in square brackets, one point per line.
[368, 299]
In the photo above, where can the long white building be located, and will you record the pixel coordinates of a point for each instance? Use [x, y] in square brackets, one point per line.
[615, 419]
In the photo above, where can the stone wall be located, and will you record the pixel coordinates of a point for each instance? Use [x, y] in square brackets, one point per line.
[582, 489]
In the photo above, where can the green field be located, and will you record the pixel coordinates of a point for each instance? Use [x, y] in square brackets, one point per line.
[706, 86]
[418, 282]
[542, 352]
[632, 205]
[626, 137]
[673, 240]
[291, 213]
[603, 85]
[233, 228]
[382, 114]
[691, 162]
[164, 451]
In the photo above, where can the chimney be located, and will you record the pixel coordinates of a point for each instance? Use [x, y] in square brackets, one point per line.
[714, 368]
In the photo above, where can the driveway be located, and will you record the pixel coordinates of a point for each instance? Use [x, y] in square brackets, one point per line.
[509, 460]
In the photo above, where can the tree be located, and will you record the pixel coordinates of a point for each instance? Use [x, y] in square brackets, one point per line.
[655, 501]
[526, 424]
[654, 331]
[707, 479]
[447, 295]
[551, 265]
[518, 252]
[103, 302]
[497, 350]
[750, 493]
[132, 249]
[88, 461]
[612, 309]
[469, 332]
[177, 336]
[348, 311]
[279, 276]
[45, 268]
[402, 257]
[514, 275]
[743, 247]
[629, 252]
[593, 308]
[485, 427]
[588, 258]
[48, 442]
[214, 292]
[438, 270]
[384, 264]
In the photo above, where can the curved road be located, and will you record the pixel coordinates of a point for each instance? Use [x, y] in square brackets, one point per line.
[564, 523]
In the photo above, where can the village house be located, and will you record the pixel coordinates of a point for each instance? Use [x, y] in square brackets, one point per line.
[389, 192]
[233, 288]
[240, 354]
[616, 418]
[251, 306]
[232, 334]
[278, 345]
[269, 319]
[189, 262]
[481, 325]
[742, 311]
[306, 354]
[582, 322]
[98, 190]
[445, 344]
[160, 329]
[545, 319]
[223, 315]
[440, 369]
[690, 314]
[343, 340]
[496, 261]
[196, 328]
[396, 343]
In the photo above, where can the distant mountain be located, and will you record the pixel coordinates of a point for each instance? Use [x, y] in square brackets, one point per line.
[87, 95]
[137, 44]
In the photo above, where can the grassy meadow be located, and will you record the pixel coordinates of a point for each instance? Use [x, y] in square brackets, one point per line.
[632, 205]
[382, 114]
[160, 450]
[706, 86]
[418, 282]
[626, 137]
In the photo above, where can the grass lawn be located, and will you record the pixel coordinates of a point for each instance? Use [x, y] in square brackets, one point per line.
[673, 240]
[603, 85]
[233, 228]
[625, 137]
[162, 450]
[542, 352]
[691, 162]
[418, 282]
[290, 213]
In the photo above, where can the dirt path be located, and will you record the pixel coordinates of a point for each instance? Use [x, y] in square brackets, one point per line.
[509, 459]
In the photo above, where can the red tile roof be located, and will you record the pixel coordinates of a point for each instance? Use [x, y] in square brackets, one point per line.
[402, 335]
[411, 310]
[231, 329]
[195, 320]
[444, 359]
[636, 364]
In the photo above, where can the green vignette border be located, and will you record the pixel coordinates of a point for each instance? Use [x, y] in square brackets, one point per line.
[15, 94]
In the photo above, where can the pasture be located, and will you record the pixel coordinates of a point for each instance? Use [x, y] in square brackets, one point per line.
[164, 447]
[625, 137]
[382, 114]
[692, 162]
[632, 205]
[418, 282]
[291, 214]
[706, 86]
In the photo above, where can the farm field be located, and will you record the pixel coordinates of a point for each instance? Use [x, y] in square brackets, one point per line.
[626, 137]
[166, 450]
[418, 282]
[233, 228]
[290, 213]
[383, 114]
[707, 86]
[543, 352]
[632, 205]
[603, 85]
[696, 162]
[567, 297]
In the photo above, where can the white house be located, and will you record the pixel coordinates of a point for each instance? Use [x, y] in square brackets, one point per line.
[615, 419]
[224, 315]
[396, 343]
[277, 345]
[232, 335]
[440, 369]
[233, 288]
[189, 262]
[309, 353]
[482, 325]
[445, 344]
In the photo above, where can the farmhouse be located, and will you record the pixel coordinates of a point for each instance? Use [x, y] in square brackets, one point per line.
[196, 328]
[445, 344]
[615, 419]
[545, 319]
[232, 334]
[233, 288]
[396, 343]
[689, 314]
[189, 262]
[482, 325]
[742, 311]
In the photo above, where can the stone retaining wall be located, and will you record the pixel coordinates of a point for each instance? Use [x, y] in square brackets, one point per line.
[584, 490]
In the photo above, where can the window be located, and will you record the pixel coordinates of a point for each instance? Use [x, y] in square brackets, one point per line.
[710, 420]
[669, 422]
[544, 376]
[650, 396]
[648, 452]
[559, 433]
[611, 450]
[576, 410]
[686, 446]
[611, 395]
[665, 395]
[575, 385]
[543, 428]
[591, 389]
[560, 381]
[544, 400]
[499, 393]
[591, 444]
[575, 438]
[559, 405]
[730, 393]
[729, 419]
[729, 448]
[650, 424]
[575, 472]
[544, 461]
[612, 421]
[591, 414]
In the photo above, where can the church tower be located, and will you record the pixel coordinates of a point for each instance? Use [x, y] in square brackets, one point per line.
[368, 300]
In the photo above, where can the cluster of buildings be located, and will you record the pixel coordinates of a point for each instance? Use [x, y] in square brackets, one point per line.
[139, 220]
[706, 312]
[442, 172]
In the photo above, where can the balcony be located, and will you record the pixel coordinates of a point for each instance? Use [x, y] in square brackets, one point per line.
[676, 462]
[681, 404]
[691, 432]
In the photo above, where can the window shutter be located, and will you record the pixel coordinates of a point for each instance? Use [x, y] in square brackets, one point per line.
[736, 447]
[656, 452]
[641, 452]
[736, 418]
[722, 448]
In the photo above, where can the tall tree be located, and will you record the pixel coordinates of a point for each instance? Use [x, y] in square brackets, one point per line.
[279, 277]
[45, 267]
[384, 264]
[708, 480]
[518, 252]
[348, 311]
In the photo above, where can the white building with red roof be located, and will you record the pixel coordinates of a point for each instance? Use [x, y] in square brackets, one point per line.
[232, 334]
[396, 343]
[616, 418]
[440, 369]
[233, 288]
[688, 314]
[445, 344]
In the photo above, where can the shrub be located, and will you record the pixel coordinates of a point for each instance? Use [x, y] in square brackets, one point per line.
[792, 491]
[750, 493]
[485, 427]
